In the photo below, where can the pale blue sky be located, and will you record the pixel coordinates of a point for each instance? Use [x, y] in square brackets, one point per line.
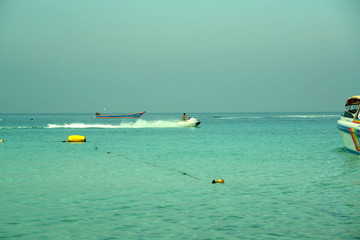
[74, 56]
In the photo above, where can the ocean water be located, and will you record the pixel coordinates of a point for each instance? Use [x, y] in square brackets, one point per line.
[286, 177]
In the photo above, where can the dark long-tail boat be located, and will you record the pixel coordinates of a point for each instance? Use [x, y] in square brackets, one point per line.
[131, 115]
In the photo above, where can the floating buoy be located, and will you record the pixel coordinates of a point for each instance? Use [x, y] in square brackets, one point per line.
[1, 140]
[76, 138]
[218, 181]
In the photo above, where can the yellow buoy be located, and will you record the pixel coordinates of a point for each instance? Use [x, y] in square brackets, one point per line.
[1, 140]
[76, 138]
[220, 181]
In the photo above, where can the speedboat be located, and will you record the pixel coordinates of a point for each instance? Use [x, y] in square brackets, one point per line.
[191, 122]
[349, 125]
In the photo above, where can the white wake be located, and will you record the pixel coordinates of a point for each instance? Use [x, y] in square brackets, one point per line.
[138, 124]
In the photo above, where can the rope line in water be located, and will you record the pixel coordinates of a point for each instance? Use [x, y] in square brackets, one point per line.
[157, 166]
[151, 164]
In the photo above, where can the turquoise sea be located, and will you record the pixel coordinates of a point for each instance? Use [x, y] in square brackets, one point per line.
[286, 177]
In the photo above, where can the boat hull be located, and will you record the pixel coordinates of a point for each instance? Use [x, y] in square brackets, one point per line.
[132, 115]
[192, 122]
[350, 134]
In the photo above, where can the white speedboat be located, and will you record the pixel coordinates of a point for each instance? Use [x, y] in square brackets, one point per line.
[191, 122]
[349, 125]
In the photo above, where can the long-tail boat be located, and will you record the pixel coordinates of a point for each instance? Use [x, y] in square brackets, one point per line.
[130, 115]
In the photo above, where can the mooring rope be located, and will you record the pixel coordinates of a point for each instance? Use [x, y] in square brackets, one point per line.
[154, 165]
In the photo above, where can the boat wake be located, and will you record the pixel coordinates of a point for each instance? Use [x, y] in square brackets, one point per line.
[138, 124]
[237, 117]
[280, 116]
[308, 116]
[19, 127]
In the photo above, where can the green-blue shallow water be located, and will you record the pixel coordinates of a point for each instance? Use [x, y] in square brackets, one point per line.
[286, 177]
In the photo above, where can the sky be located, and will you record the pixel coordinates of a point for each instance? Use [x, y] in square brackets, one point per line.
[81, 56]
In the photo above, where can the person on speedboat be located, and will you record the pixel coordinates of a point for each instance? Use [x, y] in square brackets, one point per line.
[184, 117]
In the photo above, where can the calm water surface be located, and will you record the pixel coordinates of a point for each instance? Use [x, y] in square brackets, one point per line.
[286, 177]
